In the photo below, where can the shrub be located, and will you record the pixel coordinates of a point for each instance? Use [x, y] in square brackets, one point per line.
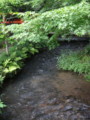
[76, 61]
[1, 106]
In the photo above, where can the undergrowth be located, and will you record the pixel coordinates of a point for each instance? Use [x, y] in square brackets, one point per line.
[76, 61]
[2, 105]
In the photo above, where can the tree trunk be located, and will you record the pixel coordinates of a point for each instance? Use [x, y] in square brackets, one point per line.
[6, 42]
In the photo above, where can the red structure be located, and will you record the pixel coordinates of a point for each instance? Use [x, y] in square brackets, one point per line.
[14, 21]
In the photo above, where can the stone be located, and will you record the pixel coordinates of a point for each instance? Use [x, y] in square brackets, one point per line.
[69, 107]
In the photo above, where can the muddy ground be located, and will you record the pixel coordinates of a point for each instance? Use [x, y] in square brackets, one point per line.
[42, 92]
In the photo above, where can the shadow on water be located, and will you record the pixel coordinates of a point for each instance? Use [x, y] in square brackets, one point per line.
[41, 92]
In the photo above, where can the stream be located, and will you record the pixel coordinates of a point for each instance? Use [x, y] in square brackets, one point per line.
[42, 92]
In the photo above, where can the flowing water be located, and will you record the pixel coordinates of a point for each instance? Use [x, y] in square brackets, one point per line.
[42, 92]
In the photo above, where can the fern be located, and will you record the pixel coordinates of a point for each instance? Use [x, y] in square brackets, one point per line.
[76, 61]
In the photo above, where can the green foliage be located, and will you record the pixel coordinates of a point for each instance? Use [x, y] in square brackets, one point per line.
[64, 21]
[14, 61]
[76, 61]
[27, 16]
[46, 5]
[17, 52]
[32, 35]
[87, 76]
[1, 78]
[4, 7]
[7, 6]
[36, 5]
[1, 106]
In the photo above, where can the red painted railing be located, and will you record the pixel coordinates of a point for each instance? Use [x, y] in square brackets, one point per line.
[16, 21]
